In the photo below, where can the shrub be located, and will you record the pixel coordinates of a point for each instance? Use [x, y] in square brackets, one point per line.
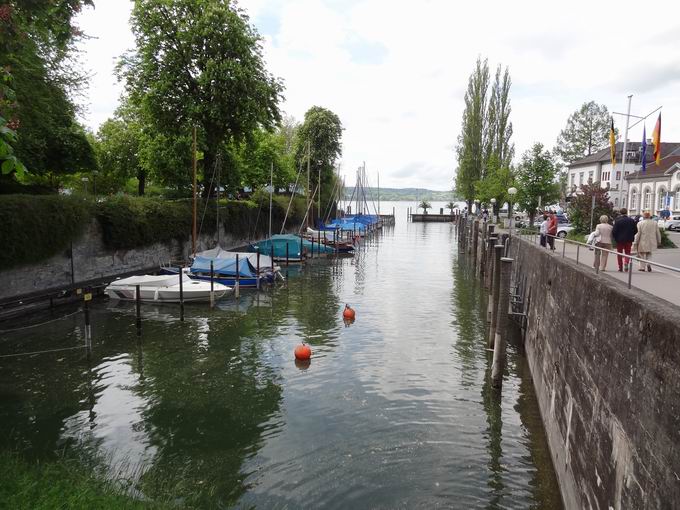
[36, 227]
[665, 240]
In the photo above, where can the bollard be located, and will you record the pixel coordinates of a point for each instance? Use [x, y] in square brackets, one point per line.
[495, 287]
[475, 242]
[502, 324]
[181, 295]
[212, 284]
[138, 306]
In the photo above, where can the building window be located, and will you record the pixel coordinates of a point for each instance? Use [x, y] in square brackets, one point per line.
[662, 199]
[616, 202]
[677, 199]
[573, 176]
[647, 199]
[580, 179]
[618, 175]
[590, 177]
[633, 199]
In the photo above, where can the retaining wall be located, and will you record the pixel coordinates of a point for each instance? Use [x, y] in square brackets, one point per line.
[605, 362]
[90, 259]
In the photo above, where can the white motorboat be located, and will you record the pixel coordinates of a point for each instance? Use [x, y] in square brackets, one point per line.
[164, 289]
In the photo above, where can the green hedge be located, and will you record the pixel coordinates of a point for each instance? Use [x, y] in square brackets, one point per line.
[36, 227]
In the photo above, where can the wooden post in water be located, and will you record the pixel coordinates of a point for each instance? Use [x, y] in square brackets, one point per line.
[488, 273]
[312, 240]
[502, 324]
[212, 284]
[475, 241]
[482, 249]
[138, 299]
[495, 294]
[257, 280]
[286, 253]
[181, 294]
[300, 248]
[237, 286]
[88, 328]
[272, 254]
[319, 237]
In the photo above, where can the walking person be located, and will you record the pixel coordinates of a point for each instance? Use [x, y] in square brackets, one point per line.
[552, 230]
[647, 239]
[544, 229]
[604, 232]
[623, 233]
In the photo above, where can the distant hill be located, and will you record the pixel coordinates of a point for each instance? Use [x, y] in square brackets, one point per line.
[397, 194]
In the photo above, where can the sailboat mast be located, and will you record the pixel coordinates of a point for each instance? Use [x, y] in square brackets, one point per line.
[378, 193]
[319, 216]
[309, 156]
[193, 222]
[217, 199]
[271, 192]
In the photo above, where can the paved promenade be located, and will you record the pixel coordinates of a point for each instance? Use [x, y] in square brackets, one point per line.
[660, 282]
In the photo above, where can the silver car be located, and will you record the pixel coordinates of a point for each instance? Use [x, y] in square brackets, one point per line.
[673, 223]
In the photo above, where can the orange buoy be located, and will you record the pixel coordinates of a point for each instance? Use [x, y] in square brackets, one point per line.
[303, 352]
[348, 313]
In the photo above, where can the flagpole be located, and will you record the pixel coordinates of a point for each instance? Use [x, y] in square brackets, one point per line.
[623, 156]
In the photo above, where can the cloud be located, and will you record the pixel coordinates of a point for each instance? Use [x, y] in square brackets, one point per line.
[395, 72]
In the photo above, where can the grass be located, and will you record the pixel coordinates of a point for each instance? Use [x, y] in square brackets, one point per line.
[61, 483]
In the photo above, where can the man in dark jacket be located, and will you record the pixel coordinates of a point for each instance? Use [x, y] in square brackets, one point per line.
[624, 233]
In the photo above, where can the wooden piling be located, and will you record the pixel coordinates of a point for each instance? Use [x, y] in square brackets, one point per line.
[181, 294]
[138, 306]
[488, 260]
[475, 241]
[212, 284]
[286, 254]
[257, 280]
[237, 286]
[502, 324]
[495, 294]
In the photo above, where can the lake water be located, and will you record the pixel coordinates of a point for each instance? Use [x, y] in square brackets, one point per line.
[394, 410]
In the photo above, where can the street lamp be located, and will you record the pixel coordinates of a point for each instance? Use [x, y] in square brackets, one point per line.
[493, 209]
[512, 192]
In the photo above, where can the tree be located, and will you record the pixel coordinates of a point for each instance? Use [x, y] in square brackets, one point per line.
[264, 151]
[425, 205]
[472, 141]
[451, 206]
[200, 63]
[117, 147]
[499, 127]
[587, 131]
[580, 207]
[319, 137]
[536, 180]
[37, 42]
[496, 184]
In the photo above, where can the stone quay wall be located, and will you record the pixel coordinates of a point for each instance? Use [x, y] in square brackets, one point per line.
[605, 362]
[90, 259]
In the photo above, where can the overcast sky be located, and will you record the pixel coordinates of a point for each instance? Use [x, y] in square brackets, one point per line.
[395, 72]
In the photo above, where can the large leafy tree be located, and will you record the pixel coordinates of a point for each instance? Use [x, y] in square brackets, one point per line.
[496, 183]
[200, 63]
[536, 179]
[37, 46]
[319, 139]
[586, 132]
[472, 140]
[267, 151]
[118, 144]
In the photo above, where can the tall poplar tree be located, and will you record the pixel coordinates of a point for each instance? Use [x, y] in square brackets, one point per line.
[472, 140]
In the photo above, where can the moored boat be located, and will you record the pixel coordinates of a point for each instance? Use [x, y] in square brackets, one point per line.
[163, 289]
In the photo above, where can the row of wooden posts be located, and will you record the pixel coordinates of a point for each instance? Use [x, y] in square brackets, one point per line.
[488, 249]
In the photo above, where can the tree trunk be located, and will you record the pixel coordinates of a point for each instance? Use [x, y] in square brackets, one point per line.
[531, 219]
[141, 177]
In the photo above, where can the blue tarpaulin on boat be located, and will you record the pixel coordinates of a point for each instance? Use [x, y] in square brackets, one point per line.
[279, 243]
[224, 267]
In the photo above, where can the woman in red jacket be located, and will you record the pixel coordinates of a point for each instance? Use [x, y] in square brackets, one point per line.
[552, 230]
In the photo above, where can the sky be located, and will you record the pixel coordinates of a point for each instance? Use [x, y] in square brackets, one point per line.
[395, 72]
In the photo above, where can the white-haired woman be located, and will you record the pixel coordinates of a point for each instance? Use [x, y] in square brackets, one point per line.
[604, 232]
[647, 239]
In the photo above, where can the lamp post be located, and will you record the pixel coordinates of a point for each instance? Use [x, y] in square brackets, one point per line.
[512, 192]
[493, 209]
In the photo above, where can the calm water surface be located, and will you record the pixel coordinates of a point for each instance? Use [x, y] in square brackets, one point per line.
[394, 411]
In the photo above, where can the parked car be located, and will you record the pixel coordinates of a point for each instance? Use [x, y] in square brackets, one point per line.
[673, 223]
[563, 230]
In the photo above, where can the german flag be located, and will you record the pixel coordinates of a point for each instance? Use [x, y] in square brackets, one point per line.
[612, 144]
[656, 140]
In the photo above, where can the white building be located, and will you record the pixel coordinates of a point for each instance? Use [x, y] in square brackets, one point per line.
[598, 168]
[656, 189]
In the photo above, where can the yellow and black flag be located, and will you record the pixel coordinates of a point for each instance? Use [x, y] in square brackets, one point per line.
[612, 144]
